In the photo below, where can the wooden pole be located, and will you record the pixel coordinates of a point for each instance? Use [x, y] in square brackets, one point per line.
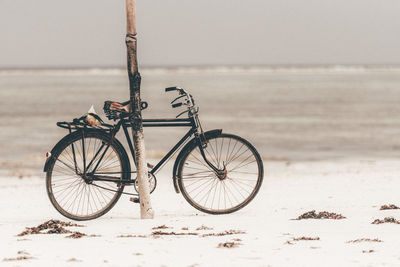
[146, 211]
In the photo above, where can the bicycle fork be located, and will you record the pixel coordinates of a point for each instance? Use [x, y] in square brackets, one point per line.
[221, 174]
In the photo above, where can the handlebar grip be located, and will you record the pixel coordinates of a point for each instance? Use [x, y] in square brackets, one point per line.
[177, 105]
[169, 89]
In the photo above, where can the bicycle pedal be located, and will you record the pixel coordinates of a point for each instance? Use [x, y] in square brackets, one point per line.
[134, 199]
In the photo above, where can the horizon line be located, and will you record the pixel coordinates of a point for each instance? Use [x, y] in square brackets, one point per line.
[200, 67]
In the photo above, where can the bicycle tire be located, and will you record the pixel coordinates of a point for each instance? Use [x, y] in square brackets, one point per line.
[194, 174]
[66, 189]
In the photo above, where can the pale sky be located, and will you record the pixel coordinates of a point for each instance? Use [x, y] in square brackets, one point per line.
[86, 33]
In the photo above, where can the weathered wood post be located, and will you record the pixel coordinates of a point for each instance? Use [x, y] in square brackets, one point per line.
[146, 211]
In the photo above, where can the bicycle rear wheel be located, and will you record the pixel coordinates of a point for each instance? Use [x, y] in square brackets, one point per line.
[207, 192]
[70, 193]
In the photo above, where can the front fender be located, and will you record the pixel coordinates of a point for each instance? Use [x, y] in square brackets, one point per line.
[192, 142]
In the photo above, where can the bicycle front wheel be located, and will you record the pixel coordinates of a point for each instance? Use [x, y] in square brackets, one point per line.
[75, 195]
[210, 193]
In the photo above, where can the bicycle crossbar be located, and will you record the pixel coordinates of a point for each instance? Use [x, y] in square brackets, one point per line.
[166, 120]
[164, 123]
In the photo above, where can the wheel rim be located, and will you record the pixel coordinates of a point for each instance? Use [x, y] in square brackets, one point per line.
[72, 194]
[212, 193]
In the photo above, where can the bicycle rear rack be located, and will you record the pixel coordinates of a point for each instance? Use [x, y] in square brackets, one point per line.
[77, 124]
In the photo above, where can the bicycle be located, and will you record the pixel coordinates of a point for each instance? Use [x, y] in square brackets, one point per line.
[87, 170]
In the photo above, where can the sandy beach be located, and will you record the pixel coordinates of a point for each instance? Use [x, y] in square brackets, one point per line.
[329, 142]
[289, 119]
[265, 233]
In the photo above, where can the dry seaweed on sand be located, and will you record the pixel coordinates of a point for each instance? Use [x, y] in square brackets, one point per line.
[94, 235]
[160, 227]
[52, 227]
[230, 232]
[203, 227]
[386, 220]
[73, 260]
[368, 251]
[58, 230]
[320, 215]
[76, 235]
[228, 245]
[137, 254]
[389, 207]
[159, 233]
[304, 238]
[20, 258]
[364, 240]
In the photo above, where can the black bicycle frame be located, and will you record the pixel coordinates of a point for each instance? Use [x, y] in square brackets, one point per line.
[189, 122]
[125, 124]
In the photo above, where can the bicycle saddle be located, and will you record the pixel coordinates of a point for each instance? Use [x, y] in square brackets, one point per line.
[113, 109]
[118, 106]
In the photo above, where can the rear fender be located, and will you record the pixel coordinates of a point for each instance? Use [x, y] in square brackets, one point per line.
[50, 156]
[191, 143]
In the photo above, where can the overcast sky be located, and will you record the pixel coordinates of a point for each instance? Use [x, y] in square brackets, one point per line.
[83, 33]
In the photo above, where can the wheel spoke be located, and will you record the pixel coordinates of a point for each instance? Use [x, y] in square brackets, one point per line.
[71, 194]
[213, 193]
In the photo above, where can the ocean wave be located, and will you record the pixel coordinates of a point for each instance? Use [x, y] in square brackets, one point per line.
[63, 72]
[203, 70]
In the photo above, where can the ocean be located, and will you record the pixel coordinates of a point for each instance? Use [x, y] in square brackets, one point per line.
[288, 114]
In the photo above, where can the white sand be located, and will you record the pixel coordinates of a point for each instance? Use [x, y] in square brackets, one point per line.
[355, 189]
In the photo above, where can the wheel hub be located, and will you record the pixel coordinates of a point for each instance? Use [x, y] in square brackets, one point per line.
[87, 179]
[222, 175]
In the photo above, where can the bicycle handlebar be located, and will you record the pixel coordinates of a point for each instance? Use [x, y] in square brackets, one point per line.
[177, 105]
[170, 89]
[183, 93]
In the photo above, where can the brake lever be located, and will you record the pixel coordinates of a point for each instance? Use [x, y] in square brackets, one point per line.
[179, 97]
[177, 105]
[180, 114]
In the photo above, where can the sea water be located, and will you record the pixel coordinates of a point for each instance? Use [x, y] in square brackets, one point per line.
[288, 114]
